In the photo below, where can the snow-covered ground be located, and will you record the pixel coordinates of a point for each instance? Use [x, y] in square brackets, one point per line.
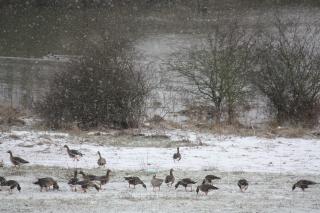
[266, 193]
[270, 165]
[224, 153]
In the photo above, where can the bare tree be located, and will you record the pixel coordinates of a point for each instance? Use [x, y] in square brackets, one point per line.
[218, 71]
[288, 70]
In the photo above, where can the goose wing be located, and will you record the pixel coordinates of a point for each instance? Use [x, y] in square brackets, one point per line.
[307, 182]
[188, 181]
[75, 152]
[211, 177]
[19, 160]
[168, 179]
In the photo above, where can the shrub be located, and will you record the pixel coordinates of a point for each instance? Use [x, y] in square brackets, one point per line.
[102, 88]
[288, 64]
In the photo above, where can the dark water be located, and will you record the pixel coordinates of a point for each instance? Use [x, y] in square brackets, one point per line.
[23, 81]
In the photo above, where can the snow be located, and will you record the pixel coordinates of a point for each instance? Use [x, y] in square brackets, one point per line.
[225, 153]
[266, 193]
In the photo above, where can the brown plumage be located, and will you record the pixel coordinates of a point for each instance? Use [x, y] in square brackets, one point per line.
[185, 182]
[73, 181]
[243, 184]
[177, 156]
[156, 182]
[303, 184]
[88, 176]
[47, 183]
[101, 161]
[2, 180]
[104, 179]
[86, 184]
[12, 184]
[74, 154]
[205, 188]
[135, 181]
[209, 178]
[16, 161]
[170, 178]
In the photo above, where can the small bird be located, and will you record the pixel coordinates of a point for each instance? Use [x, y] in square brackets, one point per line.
[11, 184]
[88, 176]
[47, 183]
[177, 156]
[104, 179]
[86, 184]
[16, 161]
[74, 154]
[243, 184]
[303, 184]
[170, 178]
[186, 182]
[206, 188]
[156, 182]
[73, 181]
[101, 161]
[1, 164]
[210, 178]
[135, 181]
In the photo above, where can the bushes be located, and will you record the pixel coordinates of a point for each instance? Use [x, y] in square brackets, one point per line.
[288, 72]
[283, 64]
[103, 88]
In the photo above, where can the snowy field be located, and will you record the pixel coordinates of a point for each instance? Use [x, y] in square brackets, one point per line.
[270, 165]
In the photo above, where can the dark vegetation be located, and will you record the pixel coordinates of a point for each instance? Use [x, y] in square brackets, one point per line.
[282, 64]
[105, 88]
[288, 71]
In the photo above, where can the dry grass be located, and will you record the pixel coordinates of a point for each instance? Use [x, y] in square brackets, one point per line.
[11, 116]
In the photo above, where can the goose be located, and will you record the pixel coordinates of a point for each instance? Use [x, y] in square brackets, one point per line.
[135, 181]
[73, 181]
[186, 182]
[177, 156]
[206, 188]
[88, 176]
[303, 184]
[243, 184]
[47, 183]
[11, 184]
[104, 179]
[16, 161]
[74, 154]
[210, 178]
[156, 182]
[101, 160]
[170, 178]
[85, 184]
[2, 180]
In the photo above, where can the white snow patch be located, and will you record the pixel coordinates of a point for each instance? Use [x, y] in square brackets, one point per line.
[228, 153]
